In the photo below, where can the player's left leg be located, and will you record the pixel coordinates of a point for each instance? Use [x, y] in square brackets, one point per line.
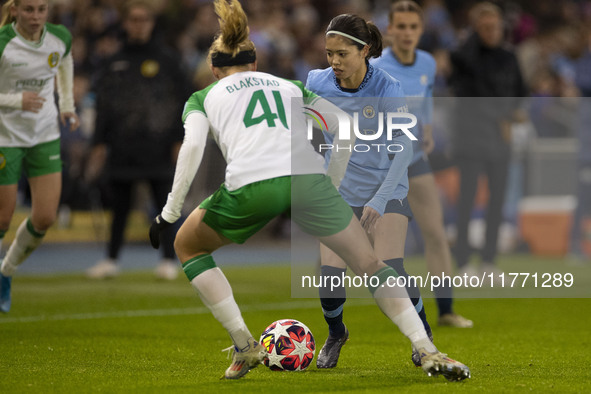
[424, 200]
[195, 241]
[321, 212]
[353, 246]
[223, 218]
[389, 238]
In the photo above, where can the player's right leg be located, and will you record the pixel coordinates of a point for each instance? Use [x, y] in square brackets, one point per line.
[332, 300]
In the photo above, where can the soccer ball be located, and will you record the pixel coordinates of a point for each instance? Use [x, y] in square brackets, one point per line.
[290, 345]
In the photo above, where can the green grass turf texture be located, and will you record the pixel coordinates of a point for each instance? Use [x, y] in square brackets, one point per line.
[132, 334]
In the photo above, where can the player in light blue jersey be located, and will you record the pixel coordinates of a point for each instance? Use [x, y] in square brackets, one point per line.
[376, 181]
[415, 69]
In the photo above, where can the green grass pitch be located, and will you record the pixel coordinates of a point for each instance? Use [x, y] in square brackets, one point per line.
[66, 334]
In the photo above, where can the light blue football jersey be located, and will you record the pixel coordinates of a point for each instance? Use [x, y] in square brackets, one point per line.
[417, 80]
[376, 176]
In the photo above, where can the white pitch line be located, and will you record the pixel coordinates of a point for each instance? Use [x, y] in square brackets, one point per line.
[155, 312]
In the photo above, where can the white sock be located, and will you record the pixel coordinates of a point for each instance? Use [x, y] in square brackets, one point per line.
[411, 326]
[23, 245]
[395, 304]
[216, 293]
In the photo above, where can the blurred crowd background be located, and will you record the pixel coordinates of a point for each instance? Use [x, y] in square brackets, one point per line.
[550, 38]
[548, 35]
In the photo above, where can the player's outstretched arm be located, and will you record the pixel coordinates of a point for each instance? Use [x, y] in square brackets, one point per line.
[189, 159]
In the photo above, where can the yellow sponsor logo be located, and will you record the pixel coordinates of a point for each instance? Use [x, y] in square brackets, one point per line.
[2, 161]
[53, 59]
[150, 68]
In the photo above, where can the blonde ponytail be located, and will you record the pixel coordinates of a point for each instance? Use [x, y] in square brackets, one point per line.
[233, 36]
[6, 17]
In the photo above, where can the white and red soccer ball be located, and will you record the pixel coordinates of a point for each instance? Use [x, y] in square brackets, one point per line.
[290, 345]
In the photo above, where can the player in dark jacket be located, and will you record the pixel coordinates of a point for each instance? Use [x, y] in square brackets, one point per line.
[139, 94]
[483, 68]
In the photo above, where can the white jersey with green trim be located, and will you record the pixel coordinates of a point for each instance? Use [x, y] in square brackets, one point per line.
[258, 122]
[31, 66]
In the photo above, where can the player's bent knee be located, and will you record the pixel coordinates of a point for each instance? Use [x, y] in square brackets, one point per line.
[186, 245]
[368, 267]
[181, 248]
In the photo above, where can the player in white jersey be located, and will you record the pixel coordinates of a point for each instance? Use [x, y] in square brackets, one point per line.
[32, 54]
[415, 69]
[272, 169]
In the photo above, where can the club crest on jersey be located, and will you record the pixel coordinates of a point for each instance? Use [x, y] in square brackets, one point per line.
[369, 112]
[424, 79]
[53, 59]
[2, 161]
[150, 68]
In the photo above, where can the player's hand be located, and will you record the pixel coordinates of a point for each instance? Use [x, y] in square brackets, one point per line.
[32, 102]
[71, 119]
[157, 227]
[369, 219]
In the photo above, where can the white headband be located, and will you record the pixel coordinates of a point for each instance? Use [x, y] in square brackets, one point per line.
[346, 35]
